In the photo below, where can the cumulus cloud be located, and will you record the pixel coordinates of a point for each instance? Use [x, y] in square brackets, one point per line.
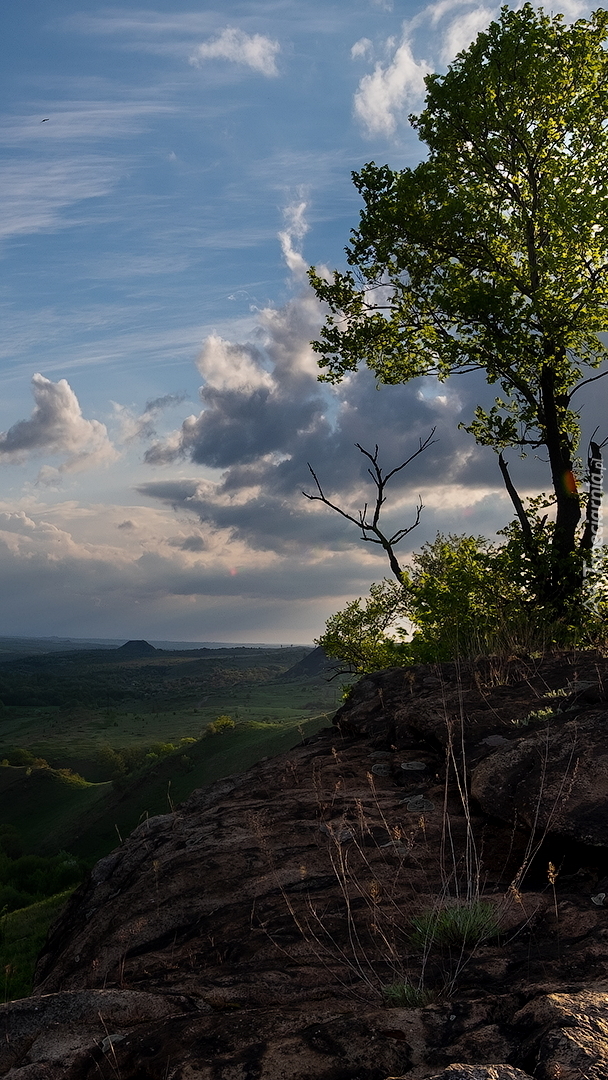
[396, 85]
[57, 426]
[252, 50]
[384, 94]
[225, 366]
[265, 415]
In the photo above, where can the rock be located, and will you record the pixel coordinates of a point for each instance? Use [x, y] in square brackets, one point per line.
[251, 933]
[574, 1040]
[556, 779]
[480, 1072]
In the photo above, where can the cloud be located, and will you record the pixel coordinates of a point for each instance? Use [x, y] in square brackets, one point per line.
[35, 194]
[295, 230]
[252, 50]
[57, 426]
[363, 48]
[384, 94]
[143, 426]
[265, 415]
[225, 366]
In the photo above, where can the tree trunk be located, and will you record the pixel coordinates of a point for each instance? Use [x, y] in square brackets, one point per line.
[566, 575]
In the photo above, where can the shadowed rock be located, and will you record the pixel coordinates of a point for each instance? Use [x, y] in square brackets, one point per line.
[251, 932]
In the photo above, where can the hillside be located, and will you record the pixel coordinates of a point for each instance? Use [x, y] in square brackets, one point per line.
[306, 919]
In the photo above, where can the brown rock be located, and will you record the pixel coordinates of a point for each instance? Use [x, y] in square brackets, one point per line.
[250, 933]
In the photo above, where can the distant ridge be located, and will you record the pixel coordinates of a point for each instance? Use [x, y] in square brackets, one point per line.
[137, 648]
[317, 662]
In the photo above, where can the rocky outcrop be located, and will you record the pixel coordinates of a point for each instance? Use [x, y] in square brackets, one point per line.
[253, 933]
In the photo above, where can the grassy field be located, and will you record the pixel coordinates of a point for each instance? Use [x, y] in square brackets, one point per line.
[22, 935]
[162, 701]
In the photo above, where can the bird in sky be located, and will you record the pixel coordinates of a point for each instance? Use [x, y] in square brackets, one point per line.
[45, 120]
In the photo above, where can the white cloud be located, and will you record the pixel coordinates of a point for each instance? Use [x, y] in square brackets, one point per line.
[57, 426]
[383, 95]
[462, 30]
[295, 231]
[35, 193]
[225, 366]
[363, 47]
[252, 50]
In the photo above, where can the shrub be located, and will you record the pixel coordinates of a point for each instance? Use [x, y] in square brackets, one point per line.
[464, 597]
[221, 725]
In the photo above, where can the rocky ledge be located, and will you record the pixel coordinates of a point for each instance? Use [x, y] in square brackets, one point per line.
[252, 933]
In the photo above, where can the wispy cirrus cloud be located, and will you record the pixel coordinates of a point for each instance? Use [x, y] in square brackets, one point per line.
[36, 193]
[82, 121]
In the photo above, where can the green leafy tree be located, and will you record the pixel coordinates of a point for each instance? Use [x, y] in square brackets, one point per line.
[463, 597]
[492, 254]
[362, 634]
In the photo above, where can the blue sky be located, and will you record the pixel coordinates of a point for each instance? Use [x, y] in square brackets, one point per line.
[158, 394]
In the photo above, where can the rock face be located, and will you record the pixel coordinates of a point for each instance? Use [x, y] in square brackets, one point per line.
[253, 933]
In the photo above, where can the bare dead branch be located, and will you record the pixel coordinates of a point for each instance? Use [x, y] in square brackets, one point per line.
[370, 529]
[524, 521]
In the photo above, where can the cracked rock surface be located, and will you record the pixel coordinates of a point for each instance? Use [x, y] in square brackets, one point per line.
[251, 934]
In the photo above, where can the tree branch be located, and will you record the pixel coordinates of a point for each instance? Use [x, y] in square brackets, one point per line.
[526, 528]
[370, 529]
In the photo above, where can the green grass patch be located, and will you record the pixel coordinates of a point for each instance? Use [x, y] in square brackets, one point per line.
[404, 995]
[22, 935]
[457, 925]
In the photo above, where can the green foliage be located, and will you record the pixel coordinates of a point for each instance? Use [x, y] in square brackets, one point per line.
[29, 878]
[358, 635]
[490, 254]
[20, 757]
[222, 724]
[404, 995]
[464, 597]
[456, 926]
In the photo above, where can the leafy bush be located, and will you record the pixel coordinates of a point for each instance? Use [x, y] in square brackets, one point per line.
[358, 635]
[221, 725]
[464, 597]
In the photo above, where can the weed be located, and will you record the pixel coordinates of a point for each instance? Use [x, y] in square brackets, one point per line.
[535, 717]
[456, 925]
[404, 995]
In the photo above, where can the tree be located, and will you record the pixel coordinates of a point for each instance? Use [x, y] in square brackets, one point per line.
[371, 532]
[492, 254]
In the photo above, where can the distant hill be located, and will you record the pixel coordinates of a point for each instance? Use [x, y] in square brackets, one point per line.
[316, 663]
[13, 648]
[137, 648]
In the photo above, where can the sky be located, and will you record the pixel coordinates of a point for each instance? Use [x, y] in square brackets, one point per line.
[168, 173]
